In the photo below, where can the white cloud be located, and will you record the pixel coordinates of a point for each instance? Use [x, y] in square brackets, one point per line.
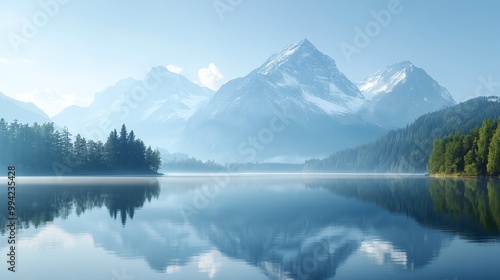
[3, 60]
[175, 69]
[50, 101]
[211, 77]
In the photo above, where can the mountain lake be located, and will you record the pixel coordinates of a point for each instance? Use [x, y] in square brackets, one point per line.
[253, 226]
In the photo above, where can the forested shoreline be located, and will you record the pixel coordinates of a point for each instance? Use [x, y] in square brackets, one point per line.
[407, 150]
[43, 150]
[476, 153]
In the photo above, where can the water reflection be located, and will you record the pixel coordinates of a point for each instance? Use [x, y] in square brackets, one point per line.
[41, 200]
[467, 207]
[299, 234]
[295, 228]
[477, 199]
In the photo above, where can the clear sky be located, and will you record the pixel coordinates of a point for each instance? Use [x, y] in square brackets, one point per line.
[61, 52]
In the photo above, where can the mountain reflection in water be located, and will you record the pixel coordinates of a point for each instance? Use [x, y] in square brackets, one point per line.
[302, 227]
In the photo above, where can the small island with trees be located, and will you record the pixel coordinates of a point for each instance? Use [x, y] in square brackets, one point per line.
[477, 153]
[43, 150]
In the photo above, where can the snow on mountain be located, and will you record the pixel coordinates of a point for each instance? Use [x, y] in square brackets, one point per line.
[301, 83]
[385, 80]
[399, 94]
[296, 105]
[315, 75]
[25, 112]
[156, 108]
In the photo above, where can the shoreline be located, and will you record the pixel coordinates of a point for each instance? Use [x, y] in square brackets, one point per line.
[462, 176]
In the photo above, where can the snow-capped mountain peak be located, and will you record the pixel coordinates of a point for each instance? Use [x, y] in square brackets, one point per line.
[386, 79]
[162, 99]
[319, 101]
[400, 93]
[303, 48]
[314, 78]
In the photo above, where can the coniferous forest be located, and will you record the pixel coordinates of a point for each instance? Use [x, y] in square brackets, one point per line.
[43, 150]
[474, 153]
[408, 149]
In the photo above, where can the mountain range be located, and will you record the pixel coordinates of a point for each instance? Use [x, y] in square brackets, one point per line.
[297, 96]
[295, 106]
[400, 93]
[24, 112]
[157, 108]
[408, 149]
[319, 109]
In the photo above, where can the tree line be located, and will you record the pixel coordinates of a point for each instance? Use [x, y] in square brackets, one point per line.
[408, 149]
[474, 153]
[192, 165]
[42, 149]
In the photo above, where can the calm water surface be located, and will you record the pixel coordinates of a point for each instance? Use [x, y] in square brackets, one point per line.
[254, 227]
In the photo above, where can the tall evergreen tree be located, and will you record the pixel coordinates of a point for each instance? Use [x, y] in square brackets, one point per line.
[122, 152]
[470, 160]
[454, 154]
[81, 151]
[493, 165]
[111, 149]
[42, 149]
[436, 160]
[485, 133]
[470, 150]
[153, 159]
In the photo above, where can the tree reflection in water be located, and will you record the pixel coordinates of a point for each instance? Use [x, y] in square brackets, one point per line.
[39, 203]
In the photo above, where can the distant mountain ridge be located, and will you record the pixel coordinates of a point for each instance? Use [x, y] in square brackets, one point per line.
[408, 149]
[295, 106]
[301, 83]
[156, 107]
[327, 111]
[400, 93]
[25, 112]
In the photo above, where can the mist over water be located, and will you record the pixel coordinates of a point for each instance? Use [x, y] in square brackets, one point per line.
[256, 226]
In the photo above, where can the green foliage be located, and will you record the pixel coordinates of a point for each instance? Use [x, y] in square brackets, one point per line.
[493, 165]
[483, 143]
[476, 153]
[453, 156]
[474, 198]
[436, 160]
[41, 149]
[471, 166]
[409, 149]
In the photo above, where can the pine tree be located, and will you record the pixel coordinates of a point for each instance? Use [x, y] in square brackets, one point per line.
[44, 150]
[454, 155]
[66, 145]
[80, 152]
[436, 160]
[470, 160]
[122, 152]
[485, 133]
[493, 165]
[153, 159]
[111, 150]
[96, 156]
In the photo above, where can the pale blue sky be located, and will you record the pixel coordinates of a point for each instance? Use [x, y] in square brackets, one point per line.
[85, 46]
